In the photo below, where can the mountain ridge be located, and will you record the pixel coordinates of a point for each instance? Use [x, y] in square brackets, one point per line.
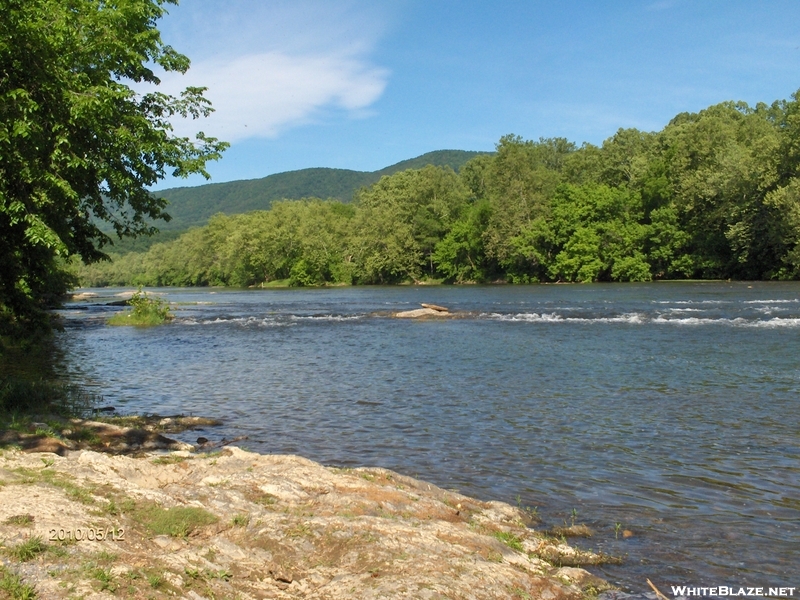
[192, 206]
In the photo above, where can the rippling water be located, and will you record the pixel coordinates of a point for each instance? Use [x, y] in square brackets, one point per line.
[669, 408]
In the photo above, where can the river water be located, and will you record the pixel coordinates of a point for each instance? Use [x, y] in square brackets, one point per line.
[667, 409]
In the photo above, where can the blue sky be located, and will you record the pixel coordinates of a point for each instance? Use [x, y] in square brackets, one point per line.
[364, 84]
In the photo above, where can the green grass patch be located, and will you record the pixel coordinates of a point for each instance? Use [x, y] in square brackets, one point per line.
[222, 574]
[179, 521]
[58, 480]
[99, 569]
[155, 581]
[113, 508]
[146, 311]
[84, 434]
[240, 520]
[277, 283]
[58, 550]
[170, 460]
[13, 587]
[104, 557]
[28, 550]
[104, 578]
[20, 520]
[509, 539]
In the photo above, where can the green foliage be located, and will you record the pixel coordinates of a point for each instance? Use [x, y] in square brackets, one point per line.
[192, 207]
[460, 256]
[519, 183]
[240, 520]
[27, 550]
[400, 221]
[178, 521]
[510, 540]
[715, 194]
[146, 311]
[20, 395]
[78, 145]
[104, 577]
[597, 235]
[14, 588]
[20, 520]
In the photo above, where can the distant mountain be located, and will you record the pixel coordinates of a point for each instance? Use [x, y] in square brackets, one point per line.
[192, 206]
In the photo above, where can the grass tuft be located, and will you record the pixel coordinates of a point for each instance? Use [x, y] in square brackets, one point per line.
[20, 520]
[171, 460]
[105, 578]
[240, 520]
[56, 480]
[25, 551]
[179, 521]
[510, 540]
[155, 581]
[13, 587]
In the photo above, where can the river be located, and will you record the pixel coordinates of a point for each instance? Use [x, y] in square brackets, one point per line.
[666, 409]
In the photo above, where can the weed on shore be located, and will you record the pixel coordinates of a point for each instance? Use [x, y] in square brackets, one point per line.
[13, 587]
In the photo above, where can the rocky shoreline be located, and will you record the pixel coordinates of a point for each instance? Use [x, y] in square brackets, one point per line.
[78, 523]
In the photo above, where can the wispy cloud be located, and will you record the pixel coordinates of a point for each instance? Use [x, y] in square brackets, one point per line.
[271, 68]
[259, 95]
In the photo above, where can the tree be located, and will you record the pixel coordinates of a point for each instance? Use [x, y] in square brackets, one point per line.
[460, 256]
[720, 164]
[520, 181]
[400, 221]
[78, 146]
[599, 231]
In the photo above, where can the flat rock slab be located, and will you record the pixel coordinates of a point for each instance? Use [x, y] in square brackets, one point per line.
[421, 312]
[434, 307]
[276, 527]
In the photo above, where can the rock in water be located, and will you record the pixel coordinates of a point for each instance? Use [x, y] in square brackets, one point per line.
[434, 307]
[420, 312]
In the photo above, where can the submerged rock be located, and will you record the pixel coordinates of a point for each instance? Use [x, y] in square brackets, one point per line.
[572, 531]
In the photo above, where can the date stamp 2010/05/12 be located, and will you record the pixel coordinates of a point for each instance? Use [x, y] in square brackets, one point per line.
[91, 534]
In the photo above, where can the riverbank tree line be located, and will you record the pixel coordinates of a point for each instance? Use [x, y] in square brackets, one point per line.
[715, 194]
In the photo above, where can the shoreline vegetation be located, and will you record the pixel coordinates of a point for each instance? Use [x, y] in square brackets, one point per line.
[146, 311]
[713, 195]
[86, 512]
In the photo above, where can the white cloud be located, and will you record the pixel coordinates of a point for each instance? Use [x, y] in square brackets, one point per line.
[271, 66]
[259, 95]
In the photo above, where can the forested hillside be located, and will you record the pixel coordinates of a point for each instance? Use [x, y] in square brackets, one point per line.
[192, 206]
[715, 194]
